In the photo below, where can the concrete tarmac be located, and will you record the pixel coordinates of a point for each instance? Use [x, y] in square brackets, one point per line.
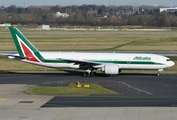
[109, 101]
[133, 89]
[139, 91]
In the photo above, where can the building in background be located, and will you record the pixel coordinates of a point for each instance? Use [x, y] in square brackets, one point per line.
[5, 25]
[59, 14]
[168, 9]
[45, 27]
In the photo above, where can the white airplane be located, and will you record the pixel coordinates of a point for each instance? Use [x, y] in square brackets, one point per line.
[109, 63]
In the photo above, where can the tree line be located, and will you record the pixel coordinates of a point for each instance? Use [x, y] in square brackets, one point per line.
[93, 15]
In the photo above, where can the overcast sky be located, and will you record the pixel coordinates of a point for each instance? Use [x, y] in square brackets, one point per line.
[81, 2]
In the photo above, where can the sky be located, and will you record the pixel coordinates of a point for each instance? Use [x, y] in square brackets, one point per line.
[25, 3]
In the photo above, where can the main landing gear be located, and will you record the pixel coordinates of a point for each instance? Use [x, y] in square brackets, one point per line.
[89, 74]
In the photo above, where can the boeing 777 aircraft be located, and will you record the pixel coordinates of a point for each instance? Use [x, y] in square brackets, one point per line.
[109, 63]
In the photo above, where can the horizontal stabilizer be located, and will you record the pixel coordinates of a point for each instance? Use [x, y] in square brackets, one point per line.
[17, 57]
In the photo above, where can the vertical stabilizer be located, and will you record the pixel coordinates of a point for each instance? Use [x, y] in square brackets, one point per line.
[24, 47]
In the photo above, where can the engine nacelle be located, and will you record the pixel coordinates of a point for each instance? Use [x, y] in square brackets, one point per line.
[74, 66]
[111, 69]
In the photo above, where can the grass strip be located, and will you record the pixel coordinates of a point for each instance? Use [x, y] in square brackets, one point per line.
[71, 89]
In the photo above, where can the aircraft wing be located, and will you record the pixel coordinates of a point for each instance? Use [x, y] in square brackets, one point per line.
[81, 62]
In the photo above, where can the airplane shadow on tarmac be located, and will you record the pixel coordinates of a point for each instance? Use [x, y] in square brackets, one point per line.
[79, 73]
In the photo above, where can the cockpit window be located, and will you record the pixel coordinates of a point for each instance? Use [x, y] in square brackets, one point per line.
[168, 60]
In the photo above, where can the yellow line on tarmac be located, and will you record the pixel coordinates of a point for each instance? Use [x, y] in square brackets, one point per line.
[2, 99]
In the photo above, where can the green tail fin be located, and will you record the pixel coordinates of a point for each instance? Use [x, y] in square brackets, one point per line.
[24, 47]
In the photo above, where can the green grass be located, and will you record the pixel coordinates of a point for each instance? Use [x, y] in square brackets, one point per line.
[96, 42]
[13, 65]
[69, 90]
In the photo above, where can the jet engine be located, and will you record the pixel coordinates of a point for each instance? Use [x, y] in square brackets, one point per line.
[111, 69]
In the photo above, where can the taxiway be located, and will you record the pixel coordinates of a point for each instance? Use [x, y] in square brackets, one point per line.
[133, 89]
[137, 93]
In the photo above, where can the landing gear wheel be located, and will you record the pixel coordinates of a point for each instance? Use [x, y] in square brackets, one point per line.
[111, 76]
[159, 71]
[85, 74]
[91, 74]
[94, 73]
[88, 74]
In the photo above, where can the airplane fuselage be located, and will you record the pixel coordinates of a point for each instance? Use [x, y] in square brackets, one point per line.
[124, 60]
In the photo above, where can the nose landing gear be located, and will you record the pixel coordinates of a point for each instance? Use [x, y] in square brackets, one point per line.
[159, 71]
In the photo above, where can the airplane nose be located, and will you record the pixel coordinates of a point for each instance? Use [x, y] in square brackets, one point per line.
[172, 64]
